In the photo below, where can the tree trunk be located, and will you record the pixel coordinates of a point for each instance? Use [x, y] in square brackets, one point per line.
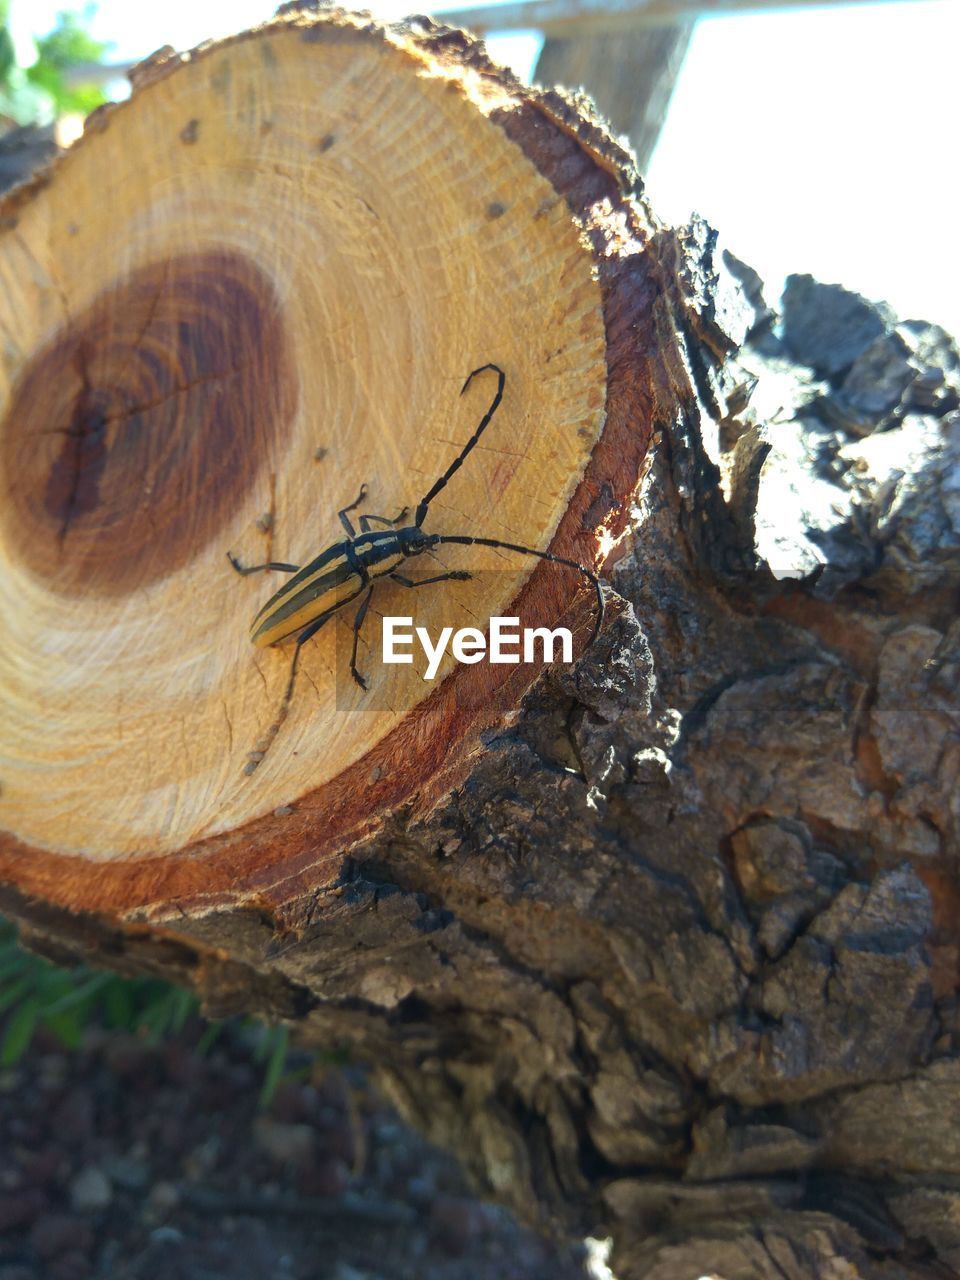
[665, 944]
[630, 75]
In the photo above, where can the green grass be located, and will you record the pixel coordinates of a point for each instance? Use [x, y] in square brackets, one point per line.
[35, 993]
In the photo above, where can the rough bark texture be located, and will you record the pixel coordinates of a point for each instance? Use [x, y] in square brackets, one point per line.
[677, 962]
[24, 149]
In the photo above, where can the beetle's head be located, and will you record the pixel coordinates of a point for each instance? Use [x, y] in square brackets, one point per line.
[414, 541]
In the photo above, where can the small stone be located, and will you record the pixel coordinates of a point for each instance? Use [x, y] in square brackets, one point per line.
[284, 1143]
[16, 1272]
[288, 1105]
[57, 1233]
[20, 1207]
[43, 1167]
[163, 1197]
[127, 1172]
[53, 1071]
[131, 1059]
[328, 1178]
[74, 1119]
[333, 1091]
[73, 1265]
[340, 1138]
[202, 1159]
[182, 1065]
[166, 1235]
[90, 1190]
[452, 1223]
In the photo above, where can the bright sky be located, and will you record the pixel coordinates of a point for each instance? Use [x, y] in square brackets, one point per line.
[821, 140]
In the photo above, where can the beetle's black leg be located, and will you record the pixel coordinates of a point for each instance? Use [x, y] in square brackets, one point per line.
[457, 575]
[357, 624]
[258, 568]
[344, 518]
[306, 634]
[365, 520]
[457, 463]
[311, 630]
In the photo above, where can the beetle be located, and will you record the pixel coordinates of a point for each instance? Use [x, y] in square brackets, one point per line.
[350, 568]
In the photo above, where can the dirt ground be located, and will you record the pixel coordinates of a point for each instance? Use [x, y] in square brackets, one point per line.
[126, 1160]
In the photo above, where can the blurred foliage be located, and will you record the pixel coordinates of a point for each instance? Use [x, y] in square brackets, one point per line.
[40, 92]
[8, 57]
[68, 45]
[35, 993]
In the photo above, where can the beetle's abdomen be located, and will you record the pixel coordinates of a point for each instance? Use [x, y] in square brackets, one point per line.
[323, 586]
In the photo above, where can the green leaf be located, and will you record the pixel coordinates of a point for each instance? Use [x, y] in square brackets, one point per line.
[19, 1033]
[84, 99]
[210, 1034]
[11, 994]
[118, 1004]
[48, 77]
[155, 1018]
[184, 1003]
[280, 1037]
[67, 1027]
[78, 994]
[12, 960]
[68, 46]
[8, 56]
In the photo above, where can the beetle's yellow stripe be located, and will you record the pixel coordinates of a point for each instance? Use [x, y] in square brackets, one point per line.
[322, 586]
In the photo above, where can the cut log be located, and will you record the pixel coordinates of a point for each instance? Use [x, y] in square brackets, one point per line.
[314, 234]
[665, 945]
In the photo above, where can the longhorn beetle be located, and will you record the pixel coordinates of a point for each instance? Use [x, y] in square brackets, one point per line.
[349, 568]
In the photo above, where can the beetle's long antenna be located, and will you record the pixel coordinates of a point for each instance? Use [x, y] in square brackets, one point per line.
[457, 463]
[591, 577]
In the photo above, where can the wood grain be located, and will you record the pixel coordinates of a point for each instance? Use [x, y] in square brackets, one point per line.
[313, 233]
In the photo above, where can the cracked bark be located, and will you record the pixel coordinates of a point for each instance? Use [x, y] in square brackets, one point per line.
[675, 960]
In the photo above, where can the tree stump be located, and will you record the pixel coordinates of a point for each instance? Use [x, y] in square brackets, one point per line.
[280, 305]
[664, 945]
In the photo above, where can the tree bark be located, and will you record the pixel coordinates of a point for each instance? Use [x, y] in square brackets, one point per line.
[23, 150]
[664, 945]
